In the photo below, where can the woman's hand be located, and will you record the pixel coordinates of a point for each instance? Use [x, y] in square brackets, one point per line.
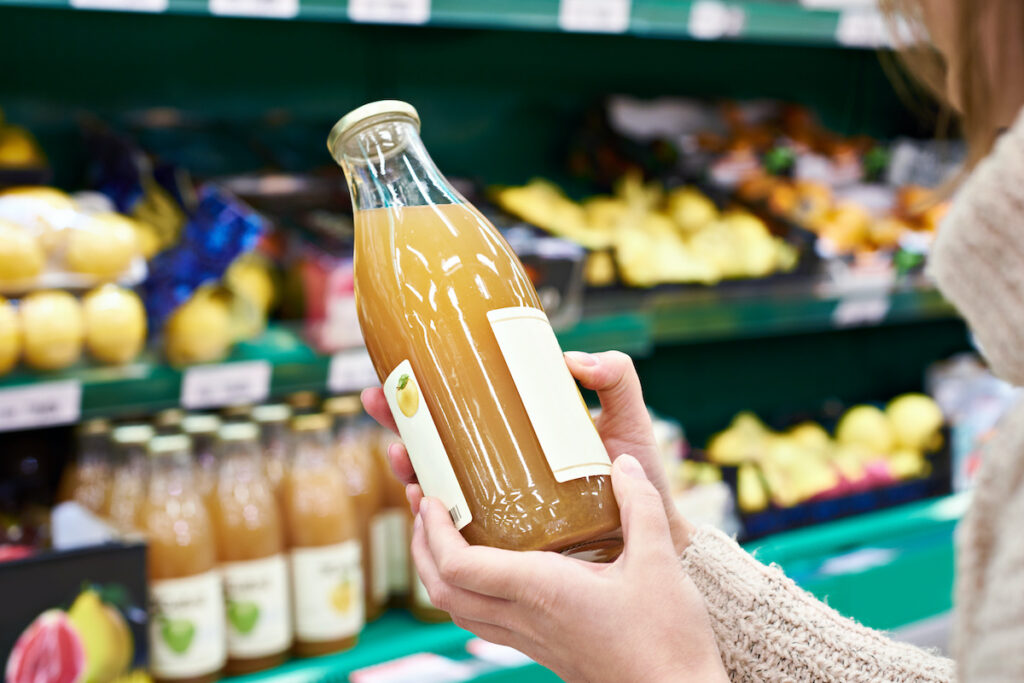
[639, 618]
[624, 425]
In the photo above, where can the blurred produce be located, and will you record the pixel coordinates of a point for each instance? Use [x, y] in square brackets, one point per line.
[53, 329]
[655, 238]
[19, 150]
[199, 330]
[115, 324]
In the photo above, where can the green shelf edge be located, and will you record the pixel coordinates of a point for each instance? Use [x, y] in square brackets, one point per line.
[762, 21]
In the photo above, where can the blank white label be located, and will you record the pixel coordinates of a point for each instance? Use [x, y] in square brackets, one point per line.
[710, 19]
[869, 310]
[277, 9]
[863, 28]
[594, 16]
[122, 5]
[351, 371]
[40, 405]
[553, 403]
[389, 11]
[227, 384]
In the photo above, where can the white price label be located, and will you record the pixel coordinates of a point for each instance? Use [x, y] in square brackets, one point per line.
[277, 9]
[122, 5]
[863, 28]
[869, 310]
[389, 11]
[351, 371]
[227, 384]
[594, 16]
[40, 405]
[710, 20]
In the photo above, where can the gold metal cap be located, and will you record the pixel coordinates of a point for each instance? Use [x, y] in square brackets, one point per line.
[169, 419]
[133, 435]
[170, 444]
[302, 401]
[271, 412]
[238, 431]
[94, 427]
[359, 115]
[312, 422]
[343, 405]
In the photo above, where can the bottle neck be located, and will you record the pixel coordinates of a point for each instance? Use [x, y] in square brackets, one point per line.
[94, 451]
[311, 449]
[171, 475]
[240, 461]
[387, 166]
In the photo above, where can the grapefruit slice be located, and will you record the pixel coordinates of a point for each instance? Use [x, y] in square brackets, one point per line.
[48, 651]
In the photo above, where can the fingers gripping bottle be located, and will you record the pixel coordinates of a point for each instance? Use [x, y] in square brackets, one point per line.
[493, 421]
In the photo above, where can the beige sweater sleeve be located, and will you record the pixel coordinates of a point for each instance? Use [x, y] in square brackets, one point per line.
[768, 629]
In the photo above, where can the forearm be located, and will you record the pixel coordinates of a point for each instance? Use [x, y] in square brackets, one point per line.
[768, 629]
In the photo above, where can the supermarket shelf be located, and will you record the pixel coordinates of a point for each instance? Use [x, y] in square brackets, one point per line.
[773, 21]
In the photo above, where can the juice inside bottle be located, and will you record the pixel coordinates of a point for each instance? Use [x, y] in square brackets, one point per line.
[272, 420]
[87, 480]
[128, 480]
[251, 553]
[492, 419]
[202, 429]
[187, 627]
[324, 543]
[362, 476]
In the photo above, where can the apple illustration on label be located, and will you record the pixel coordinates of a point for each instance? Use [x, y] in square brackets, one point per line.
[243, 615]
[177, 633]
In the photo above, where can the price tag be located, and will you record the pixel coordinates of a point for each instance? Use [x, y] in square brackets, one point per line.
[276, 9]
[389, 11]
[351, 371]
[122, 5]
[863, 28]
[710, 20]
[40, 405]
[869, 310]
[594, 16]
[227, 384]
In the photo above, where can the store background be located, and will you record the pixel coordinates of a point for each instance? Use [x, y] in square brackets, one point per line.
[503, 94]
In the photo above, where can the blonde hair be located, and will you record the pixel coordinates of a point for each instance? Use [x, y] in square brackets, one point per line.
[975, 108]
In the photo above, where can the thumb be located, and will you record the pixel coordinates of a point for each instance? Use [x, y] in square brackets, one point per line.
[645, 527]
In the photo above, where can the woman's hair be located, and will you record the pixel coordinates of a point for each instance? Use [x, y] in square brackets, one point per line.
[977, 113]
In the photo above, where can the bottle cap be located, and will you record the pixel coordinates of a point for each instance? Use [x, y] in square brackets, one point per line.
[238, 431]
[343, 406]
[240, 412]
[94, 427]
[272, 412]
[133, 435]
[169, 420]
[170, 444]
[302, 401]
[200, 424]
[312, 422]
[363, 114]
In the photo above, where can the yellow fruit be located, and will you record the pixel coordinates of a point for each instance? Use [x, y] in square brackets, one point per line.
[148, 239]
[103, 245]
[105, 637]
[866, 426]
[750, 492]
[407, 396]
[342, 597]
[691, 209]
[17, 149]
[199, 331]
[744, 440]
[249, 277]
[21, 255]
[916, 420]
[811, 435]
[115, 324]
[906, 463]
[51, 323]
[45, 211]
[10, 336]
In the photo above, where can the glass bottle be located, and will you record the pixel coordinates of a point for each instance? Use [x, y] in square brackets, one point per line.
[87, 480]
[324, 546]
[394, 515]
[251, 553]
[494, 423]
[362, 476]
[272, 420]
[202, 429]
[186, 627]
[128, 481]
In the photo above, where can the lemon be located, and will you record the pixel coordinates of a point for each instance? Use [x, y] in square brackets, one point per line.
[811, 435]
[10, 336]
[199, 330]
[691, 209]
[45, 211]
[115, 324]
[104, 245]
[51, 322]
[21, 255]
[249, 277]
[866, 426]
[916, 420]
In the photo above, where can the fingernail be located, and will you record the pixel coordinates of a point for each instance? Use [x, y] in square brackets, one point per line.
[631, 466]
[582, 358]
[418, 522]
[423, 507]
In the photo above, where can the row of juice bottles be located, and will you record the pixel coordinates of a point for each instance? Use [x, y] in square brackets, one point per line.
[271, 530]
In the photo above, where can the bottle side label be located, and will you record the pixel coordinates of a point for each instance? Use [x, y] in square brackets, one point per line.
[426, 451]
[186, 627]
[379, 528]
[328, 587]
[552, 400]
[396, 547]
[258, 606]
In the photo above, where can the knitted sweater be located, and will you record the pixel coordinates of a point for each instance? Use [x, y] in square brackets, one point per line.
[768, 629]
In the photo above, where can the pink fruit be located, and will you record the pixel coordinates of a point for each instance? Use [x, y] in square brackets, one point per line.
[48, 651]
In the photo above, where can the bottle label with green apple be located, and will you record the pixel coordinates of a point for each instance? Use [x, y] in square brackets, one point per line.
[186, 626]
[328, 585]
[259, 620]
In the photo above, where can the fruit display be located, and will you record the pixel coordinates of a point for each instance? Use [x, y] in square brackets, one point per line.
[870, 447]
[654, 237]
